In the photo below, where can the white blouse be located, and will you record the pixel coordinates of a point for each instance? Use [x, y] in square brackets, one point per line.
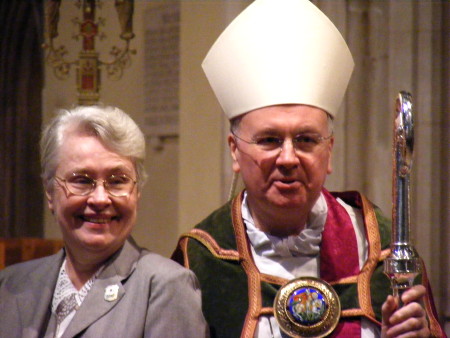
[64, 288]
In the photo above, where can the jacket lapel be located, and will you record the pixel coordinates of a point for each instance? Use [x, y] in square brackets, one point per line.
[34, 302]
[106, 291]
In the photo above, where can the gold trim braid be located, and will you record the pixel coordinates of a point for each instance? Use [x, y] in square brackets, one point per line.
[209, 242]
[254, 278]
[374, 247]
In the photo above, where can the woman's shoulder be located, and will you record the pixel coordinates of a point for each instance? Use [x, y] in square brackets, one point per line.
[158, 264]
[162, 270]
[156, 268]
[25, 272]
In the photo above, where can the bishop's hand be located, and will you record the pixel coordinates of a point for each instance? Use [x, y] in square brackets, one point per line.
[409, 320]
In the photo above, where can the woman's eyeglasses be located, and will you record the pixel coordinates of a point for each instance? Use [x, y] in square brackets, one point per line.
[82, 184]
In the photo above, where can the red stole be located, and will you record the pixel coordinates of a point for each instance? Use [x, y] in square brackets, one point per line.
[339, 256]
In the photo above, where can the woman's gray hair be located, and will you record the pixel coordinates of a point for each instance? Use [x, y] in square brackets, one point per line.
[114, 128]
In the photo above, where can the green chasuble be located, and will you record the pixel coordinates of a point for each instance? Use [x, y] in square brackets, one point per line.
[235, 294]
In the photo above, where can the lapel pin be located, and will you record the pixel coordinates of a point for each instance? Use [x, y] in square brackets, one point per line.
[111, 292]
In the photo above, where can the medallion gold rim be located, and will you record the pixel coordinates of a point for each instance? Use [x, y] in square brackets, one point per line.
[296, 330]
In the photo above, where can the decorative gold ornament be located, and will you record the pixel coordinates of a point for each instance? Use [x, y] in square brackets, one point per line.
[88, 64]
[307, 307]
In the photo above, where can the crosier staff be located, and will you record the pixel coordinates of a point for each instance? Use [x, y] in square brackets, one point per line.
[403, 264]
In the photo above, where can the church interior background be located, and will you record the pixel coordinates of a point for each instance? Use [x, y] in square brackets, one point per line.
[397, 45]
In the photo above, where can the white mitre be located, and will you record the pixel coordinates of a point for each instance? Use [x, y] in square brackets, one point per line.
[279, 52]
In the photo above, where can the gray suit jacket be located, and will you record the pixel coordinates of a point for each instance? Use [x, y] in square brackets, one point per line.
[156, 298]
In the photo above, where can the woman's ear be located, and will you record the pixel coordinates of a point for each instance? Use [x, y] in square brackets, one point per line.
[49, 196]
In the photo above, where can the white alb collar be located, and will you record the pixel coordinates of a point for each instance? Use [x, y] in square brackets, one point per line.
[307, 243]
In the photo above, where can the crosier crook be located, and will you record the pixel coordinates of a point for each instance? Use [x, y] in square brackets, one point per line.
[403, 264]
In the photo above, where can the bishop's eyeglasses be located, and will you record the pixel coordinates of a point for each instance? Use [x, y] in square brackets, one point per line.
[82, 184]
[303, 142]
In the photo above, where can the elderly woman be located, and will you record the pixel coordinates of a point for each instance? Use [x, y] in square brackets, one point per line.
[101, 284]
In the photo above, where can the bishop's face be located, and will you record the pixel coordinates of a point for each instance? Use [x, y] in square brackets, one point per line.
[283, 154]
